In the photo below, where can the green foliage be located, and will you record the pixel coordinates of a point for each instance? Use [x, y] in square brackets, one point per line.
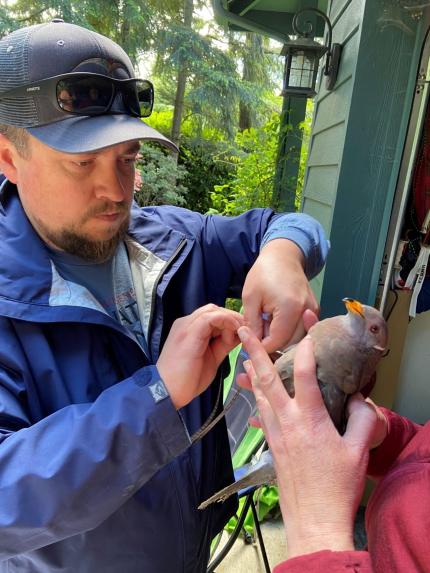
[204, 172]
[233, 304]
[161, 178]
[162, 121]
[214, 87]
[259, 70]
[254, 163]
[213, 84]
[131, 23]
[7, 24]
[306, 126]
[199, 156]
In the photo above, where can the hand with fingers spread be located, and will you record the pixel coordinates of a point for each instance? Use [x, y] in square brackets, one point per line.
[320, 473]
[346, 351]
[195, 348]
[280, 262]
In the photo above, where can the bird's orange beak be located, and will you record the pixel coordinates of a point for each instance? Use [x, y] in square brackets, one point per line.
[354, 306]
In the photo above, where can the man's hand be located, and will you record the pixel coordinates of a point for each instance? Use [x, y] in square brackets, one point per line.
[277, 285]
[320, 473]
[196, 346]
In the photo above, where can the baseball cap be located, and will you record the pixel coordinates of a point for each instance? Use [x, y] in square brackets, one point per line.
[43, 51]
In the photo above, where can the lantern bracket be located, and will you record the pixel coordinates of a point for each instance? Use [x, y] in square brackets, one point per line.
[334, 51]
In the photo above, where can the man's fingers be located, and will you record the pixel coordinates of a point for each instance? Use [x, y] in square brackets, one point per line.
[287, 328]
[254, 319]
[210, 310]
[223, 344]
[218, 322]
[283, 327]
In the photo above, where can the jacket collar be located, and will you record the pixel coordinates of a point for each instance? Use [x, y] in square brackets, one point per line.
[25, 268]
[26, 272]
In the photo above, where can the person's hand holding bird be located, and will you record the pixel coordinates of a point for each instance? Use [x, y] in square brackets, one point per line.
[346, 348]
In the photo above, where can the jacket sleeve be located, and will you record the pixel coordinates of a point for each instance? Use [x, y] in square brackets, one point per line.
[241, 238]
[68, 472]
[230, 245]
[324, 561]
[400, 433]
[307, 233]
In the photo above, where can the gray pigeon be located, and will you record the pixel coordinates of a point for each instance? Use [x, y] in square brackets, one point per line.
[347, 349]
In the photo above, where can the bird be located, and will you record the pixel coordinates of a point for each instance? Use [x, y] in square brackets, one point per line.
[347, 349]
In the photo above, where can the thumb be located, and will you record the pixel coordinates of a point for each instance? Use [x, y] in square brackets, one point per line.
[362, 421]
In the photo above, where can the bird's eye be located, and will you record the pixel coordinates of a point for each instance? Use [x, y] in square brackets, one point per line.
[374, 329]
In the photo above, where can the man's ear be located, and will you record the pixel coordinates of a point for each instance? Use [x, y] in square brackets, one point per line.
[8, 155]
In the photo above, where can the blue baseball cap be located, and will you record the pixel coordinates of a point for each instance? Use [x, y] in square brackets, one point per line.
[35, 53]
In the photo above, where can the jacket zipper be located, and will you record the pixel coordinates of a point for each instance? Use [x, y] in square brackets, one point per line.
[157, 282]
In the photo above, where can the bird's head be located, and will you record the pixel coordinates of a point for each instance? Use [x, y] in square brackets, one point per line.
[370, 322]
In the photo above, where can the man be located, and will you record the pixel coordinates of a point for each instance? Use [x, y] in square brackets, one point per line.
[110, 322]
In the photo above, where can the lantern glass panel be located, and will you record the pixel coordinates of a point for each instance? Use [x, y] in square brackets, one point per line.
[303, 69]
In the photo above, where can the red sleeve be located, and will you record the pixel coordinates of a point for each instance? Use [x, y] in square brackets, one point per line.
[327, 561]
[400, 433]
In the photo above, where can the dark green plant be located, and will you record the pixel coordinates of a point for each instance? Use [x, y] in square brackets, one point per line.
[160, 178]
[203, 171]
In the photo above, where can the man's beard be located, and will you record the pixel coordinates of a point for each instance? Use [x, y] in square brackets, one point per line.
[75, 243]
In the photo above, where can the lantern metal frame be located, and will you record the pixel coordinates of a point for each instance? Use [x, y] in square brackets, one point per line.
[306, 46]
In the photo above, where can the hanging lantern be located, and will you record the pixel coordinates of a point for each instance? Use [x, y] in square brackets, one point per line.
[302, 57]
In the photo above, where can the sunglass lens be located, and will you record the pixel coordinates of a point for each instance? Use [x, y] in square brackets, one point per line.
[145, 95]
[139, 97]
[85, 95]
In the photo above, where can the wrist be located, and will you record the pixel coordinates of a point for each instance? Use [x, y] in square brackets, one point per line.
[173, 393]
[322, 526]
[286, 249]
[332, 539]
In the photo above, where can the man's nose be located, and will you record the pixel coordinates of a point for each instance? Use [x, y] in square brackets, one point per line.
[110, 185]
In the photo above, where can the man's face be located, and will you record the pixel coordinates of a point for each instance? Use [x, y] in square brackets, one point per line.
[78, 203]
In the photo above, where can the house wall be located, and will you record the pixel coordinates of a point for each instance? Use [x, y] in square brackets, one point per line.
[403, 374]
[356, 144]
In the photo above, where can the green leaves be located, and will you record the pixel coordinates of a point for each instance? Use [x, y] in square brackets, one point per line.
[254, 162]
[161, 178]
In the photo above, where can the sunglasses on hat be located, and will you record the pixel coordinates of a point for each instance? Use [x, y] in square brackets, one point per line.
[84, 93]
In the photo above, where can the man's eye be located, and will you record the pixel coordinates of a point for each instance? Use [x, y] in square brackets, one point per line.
[129, 160]
[82, 163]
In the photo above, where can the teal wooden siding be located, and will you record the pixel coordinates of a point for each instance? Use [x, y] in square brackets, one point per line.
[355, 147]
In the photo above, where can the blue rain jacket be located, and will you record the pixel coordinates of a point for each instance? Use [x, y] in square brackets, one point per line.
[96, 469]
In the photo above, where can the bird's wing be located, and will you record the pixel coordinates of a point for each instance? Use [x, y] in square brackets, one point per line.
[285, 366]
[334, 400]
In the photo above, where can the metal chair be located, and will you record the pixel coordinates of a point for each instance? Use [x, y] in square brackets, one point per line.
[245, 441]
